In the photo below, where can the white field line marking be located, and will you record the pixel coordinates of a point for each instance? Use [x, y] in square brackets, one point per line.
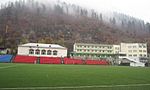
[75, 87]
[8, 66]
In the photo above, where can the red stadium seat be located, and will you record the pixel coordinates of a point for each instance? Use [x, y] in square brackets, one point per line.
[56, 60]
[96, 62]
[72, 61]
[25, 59]
[50, 60]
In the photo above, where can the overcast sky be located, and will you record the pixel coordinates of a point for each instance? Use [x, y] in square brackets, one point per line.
[137, 8]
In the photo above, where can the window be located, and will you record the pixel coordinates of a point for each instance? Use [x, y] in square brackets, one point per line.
[117, 52]
[130, 55]
[109, 47]
[134, 46]
[31, 51]
[144, 46]
[134, 50]
[43, 52]
[144, 50]
[37, 51]
[130, 51]
[54, 52]
[49, 52]
[140, 50]
[135, 55]
[116, 48]
[140, 55]
[140, 46]
[129, 46]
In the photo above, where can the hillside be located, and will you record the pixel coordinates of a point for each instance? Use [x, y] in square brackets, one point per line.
[31, 21]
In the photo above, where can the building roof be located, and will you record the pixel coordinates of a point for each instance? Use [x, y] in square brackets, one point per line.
[40, 45]
[134, 43]
[92, 44]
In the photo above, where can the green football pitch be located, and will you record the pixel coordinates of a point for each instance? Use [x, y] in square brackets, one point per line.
[73, 77]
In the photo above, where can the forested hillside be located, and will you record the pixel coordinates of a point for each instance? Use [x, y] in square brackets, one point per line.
[58, 22]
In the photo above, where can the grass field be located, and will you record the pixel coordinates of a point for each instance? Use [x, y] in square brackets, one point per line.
[73, 77]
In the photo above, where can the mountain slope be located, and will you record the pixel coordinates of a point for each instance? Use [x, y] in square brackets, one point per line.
[65, 24]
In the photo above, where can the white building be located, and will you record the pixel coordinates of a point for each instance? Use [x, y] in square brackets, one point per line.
[95, 51]
[46, 50]
[134, 50]
[116, 49]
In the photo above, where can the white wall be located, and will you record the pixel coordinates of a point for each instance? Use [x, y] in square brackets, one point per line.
[116, 49]
[137, 64]
[23, 51]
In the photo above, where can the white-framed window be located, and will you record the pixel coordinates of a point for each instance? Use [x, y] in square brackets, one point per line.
[43, 52]
[55, 52]
[144, 50]
[130, 55]
[37, 52]
[140, 55]
[31, 51]
[144, 46]
[140, 46]
[130, 51]
[129, 46]
[49, 52]
[134, 46]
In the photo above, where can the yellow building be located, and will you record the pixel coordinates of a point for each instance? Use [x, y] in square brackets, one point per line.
[134, 49]
[95, 51]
